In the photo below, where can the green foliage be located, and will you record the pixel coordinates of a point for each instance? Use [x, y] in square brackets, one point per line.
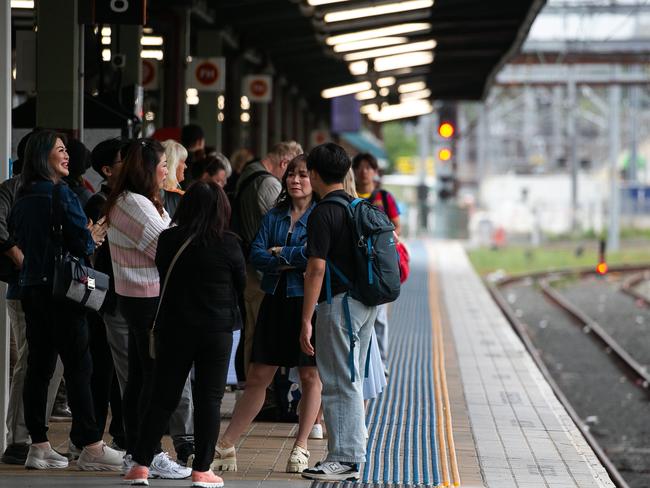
[518, 260]
[398, 142]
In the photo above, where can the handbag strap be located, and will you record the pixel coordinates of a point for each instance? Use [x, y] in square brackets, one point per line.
[169, 272]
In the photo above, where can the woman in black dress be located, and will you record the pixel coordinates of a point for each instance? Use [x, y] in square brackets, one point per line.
[279, 252]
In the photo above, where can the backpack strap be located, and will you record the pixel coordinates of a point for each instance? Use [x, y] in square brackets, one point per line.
[249, 179]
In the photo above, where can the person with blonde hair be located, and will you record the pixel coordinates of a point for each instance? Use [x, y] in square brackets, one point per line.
[171, 193]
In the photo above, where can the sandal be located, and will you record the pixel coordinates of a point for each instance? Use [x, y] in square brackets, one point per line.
[225, 459]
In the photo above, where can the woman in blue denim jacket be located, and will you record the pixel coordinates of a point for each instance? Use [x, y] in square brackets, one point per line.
[278, 252]
[55, 327]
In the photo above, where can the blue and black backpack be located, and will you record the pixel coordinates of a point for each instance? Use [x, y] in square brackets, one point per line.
[376, 263]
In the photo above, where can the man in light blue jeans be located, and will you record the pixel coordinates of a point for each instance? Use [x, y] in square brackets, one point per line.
[341, 345]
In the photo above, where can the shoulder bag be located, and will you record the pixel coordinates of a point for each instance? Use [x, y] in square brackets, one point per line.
[152, 340]
[73, 280]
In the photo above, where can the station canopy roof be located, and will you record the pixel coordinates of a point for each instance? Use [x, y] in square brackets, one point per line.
[446, 49]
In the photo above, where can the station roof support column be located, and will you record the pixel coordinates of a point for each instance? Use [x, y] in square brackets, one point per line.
[5, 153]
[210, 44]
[129, 38]
[276, 129]
[57, 53]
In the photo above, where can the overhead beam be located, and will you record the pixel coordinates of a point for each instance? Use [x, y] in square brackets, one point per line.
[551, 75]
[594, 8]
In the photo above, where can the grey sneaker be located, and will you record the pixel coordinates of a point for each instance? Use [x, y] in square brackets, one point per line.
[332, 471]
[109, 460]
[166, 468]
[45, 458]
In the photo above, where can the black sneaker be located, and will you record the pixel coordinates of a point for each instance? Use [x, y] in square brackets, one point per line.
[183, 453]
[15, 454]
[332, 471]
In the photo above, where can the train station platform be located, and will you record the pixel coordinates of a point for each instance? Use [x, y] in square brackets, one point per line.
[465, 405]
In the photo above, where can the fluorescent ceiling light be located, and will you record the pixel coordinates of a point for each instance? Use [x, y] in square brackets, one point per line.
[392, 30]
[106, 41]
[316, 3]
[388, 8]
[358, 68]
[369, 44]
[416, 95]
[106, 55]
[384, 92]
[338, 91]
[387, 81]
[389, 51]
[411, 87]
[152, 54]
[403, 61]
[151, 40]
[401, 111]
[366, 95]
[368, 109]
[106, 31]
[22, 4]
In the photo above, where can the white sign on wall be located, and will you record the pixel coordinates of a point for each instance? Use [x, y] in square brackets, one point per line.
[207, 74]
[258, 88]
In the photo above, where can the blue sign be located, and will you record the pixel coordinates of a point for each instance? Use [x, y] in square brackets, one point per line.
[345, 114]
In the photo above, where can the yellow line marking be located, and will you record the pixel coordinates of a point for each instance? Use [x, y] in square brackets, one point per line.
[443, 405]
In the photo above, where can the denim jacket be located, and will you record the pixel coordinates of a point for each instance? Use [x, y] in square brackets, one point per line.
[273, 233]
[31, 227]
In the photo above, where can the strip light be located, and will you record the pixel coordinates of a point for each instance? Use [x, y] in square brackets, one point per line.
[368, 109]
[358, 68]
[366, 95]
[152, 54]
[387, 81]
[411, 87]
[389, 8]
[416, 95]
[151, 41]
[401, 111]
[390, 51]
[403, 61]
[392, 30]
[316, 3]
[339, 91]
[22, 4]
[369, 44]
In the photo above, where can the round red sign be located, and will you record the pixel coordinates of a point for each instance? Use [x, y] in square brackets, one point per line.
[259, 88]
[207, 73]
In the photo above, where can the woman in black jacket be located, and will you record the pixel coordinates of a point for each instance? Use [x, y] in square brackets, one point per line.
[197, 315]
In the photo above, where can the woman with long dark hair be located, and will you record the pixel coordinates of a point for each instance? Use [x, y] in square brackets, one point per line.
[279, 252]
[136, 218]
[204, 269]
[55, 327]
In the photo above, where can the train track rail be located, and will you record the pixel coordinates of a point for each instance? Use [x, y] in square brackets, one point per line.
[632, 368]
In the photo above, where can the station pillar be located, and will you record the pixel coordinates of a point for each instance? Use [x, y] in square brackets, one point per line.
[209, 44]
[5, 154]
[57, 60]
[278, 116]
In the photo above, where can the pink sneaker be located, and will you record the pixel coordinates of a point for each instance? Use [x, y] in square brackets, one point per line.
[206, 479]
[138, 475]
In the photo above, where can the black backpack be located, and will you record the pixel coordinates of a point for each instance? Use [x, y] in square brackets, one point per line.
[235, 219]
[376, 260]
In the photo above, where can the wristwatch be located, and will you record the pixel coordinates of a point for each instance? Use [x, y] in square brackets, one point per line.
[275, 251]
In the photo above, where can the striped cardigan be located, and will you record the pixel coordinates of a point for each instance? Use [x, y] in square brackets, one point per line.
[135, 225]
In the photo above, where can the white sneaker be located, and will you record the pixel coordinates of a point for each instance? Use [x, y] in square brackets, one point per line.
[164, 467]
[73, 451]
[127, 463]
[298, 460]
[109, 460]
[316, 432]
[45, 458]
[332, 471]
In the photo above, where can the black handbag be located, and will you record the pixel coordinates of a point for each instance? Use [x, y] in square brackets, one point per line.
[73, 280]
[8, 270]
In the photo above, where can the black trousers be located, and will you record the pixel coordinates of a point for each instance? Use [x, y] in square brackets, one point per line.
[176, 350]
[57, 327]
[139, 314]
[104, 382]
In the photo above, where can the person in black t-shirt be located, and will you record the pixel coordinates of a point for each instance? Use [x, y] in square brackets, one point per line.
[329, 240]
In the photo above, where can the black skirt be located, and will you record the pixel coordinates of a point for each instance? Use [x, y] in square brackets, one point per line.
[277, 333]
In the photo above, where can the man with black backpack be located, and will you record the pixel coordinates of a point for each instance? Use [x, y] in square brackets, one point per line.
[257, 190]
[352, 268]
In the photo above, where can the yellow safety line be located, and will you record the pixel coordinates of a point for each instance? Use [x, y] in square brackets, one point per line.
[440, 374]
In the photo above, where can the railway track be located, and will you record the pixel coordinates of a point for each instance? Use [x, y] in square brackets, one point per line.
[600, 343]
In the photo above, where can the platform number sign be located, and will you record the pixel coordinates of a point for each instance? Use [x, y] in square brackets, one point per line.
[207, 74]
[258, 88]
[120, 11]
